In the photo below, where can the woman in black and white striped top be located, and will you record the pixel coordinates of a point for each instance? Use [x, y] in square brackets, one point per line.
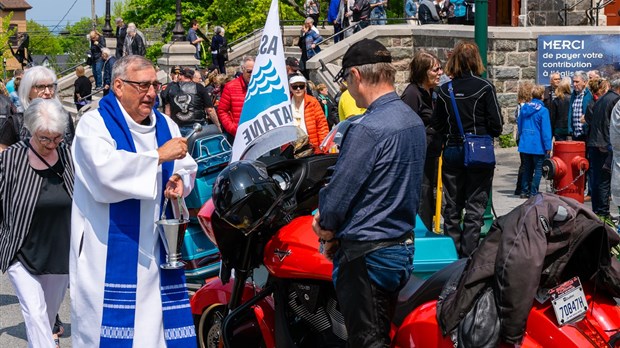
[36, 189]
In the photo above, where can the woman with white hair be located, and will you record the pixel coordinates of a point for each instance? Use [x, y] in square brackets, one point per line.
[134, 41]
[38, 82]
[219, 49]
[36, 189]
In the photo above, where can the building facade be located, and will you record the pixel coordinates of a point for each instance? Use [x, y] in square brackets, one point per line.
[18, 22]
[553, 12]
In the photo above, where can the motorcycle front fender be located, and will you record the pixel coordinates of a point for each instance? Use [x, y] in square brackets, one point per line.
[213, 292]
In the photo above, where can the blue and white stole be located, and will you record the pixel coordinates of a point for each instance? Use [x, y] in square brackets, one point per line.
[119, 299]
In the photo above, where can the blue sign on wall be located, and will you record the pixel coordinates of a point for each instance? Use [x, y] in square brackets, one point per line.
[569, 53]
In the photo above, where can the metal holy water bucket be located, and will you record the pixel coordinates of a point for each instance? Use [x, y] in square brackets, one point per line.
[172, 232]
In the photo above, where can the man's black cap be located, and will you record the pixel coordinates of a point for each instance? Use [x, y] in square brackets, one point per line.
[363, 52]
[292, 62]
[175, 70]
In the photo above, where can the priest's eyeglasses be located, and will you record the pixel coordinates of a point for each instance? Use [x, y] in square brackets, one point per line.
[144, 86]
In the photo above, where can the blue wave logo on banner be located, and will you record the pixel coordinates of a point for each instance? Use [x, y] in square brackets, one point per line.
[266, 120]
[265, 90]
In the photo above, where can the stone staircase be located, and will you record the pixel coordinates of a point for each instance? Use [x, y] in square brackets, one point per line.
[65, 94]
[290, 37]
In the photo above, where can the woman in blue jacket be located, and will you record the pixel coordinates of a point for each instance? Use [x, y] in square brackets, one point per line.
[534, 141]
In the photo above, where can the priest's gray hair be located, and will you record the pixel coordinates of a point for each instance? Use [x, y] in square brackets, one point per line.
[32, 77]
[46, 115]
[119, 71]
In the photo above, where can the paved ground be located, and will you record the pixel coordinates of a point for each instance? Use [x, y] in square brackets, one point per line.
[12, 330]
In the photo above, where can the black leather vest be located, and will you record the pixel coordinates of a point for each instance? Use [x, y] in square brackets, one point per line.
[186, 105]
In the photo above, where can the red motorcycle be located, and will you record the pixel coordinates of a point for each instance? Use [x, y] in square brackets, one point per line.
[262, 217]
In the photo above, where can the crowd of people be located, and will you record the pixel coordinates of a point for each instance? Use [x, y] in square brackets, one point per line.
[349, 16]
[125, 157]
[581, 113]
[39, 250]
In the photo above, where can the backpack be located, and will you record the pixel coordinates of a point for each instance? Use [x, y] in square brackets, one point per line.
[360, 10]
[223, 50]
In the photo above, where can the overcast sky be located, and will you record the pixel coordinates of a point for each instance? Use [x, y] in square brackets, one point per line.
[50, 12]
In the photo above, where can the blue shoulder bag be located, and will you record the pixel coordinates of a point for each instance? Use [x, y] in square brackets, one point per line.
[478, 149]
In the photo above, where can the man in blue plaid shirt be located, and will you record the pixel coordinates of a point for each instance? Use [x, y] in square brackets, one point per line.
[579, 100]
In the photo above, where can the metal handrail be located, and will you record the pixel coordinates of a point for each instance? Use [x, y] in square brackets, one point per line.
[566, 8]
[96, 91]
[62, 73]
[355, 26]
[596, 8]
[243, 38]
[338, 33]
[293, 21]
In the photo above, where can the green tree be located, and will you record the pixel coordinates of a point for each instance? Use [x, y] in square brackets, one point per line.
[239, 17]
[5, 36]
[162, 13]
[42, 41]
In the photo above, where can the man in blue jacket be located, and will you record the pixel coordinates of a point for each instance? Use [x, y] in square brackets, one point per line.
[367, 212]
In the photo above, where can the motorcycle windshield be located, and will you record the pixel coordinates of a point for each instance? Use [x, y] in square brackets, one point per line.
[270, 143]
[333, 140]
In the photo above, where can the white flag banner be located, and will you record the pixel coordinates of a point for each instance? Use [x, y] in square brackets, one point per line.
[266, 113]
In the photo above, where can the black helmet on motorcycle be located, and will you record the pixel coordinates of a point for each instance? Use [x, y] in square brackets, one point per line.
[245, 196]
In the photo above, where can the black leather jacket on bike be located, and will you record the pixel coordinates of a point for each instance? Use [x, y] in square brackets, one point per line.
[540, 244]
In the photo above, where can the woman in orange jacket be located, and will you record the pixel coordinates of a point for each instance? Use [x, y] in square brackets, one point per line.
[307, 112]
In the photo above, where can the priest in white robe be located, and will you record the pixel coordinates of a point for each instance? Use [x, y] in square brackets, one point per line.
[127, 157]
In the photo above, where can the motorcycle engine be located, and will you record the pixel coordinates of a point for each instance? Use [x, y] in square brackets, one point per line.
[318, 308]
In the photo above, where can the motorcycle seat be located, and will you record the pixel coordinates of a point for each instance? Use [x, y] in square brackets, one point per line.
[419, 291]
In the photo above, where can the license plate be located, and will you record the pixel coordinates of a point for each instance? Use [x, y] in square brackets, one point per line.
[569, 301]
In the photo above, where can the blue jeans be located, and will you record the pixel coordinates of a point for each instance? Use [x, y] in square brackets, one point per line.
[97, 73]
[532, 172]
[367, 288]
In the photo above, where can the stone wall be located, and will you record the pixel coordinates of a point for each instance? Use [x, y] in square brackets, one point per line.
[545, 13]
[511, 56]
